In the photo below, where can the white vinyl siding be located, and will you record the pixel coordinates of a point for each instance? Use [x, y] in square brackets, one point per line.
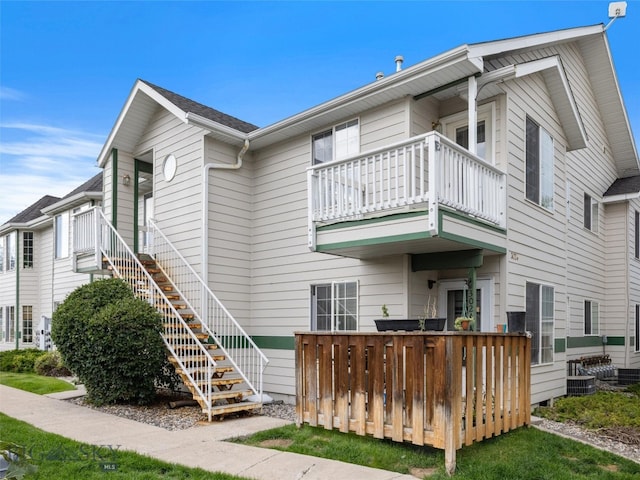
[636, 235]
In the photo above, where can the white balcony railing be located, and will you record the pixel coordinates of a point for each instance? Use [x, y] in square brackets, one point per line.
[428, 170]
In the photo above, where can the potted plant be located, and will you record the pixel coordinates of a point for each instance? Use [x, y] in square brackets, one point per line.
[464, 323]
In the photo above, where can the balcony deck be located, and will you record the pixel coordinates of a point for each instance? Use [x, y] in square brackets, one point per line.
[401, 198]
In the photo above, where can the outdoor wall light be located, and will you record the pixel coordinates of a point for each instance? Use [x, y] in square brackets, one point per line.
[126, 180]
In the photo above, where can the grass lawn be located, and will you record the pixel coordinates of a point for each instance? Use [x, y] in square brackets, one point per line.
[58, 458]
[526, 453]
[34, 383]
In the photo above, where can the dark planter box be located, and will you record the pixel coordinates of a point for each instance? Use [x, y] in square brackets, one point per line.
[516, 322]
[410, 325]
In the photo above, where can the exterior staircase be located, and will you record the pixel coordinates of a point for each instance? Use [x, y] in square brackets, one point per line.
[215, 358]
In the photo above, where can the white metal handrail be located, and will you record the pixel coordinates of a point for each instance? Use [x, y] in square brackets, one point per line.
[178, 337]
[234, 342]
[425, 170]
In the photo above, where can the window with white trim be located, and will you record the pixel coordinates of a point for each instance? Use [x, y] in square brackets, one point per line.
[539, 165]
[2, 329]
[8, 252]
[590, 213]
[456, 127]
[637, 235]
[339, 142]
[591, 317]
[334, 306]
[10, 325]
[27, 249]
[62, 235]
[540, 321]
[637, 332]
[27, 323]
[1, 254]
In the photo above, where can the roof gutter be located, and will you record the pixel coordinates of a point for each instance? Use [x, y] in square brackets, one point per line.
[452, 56]
[65, 203]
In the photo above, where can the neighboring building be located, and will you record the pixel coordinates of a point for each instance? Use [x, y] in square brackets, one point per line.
[385, 196]
[36, 269]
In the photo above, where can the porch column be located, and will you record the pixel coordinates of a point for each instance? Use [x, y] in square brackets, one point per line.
[473, 297]
[473, 114]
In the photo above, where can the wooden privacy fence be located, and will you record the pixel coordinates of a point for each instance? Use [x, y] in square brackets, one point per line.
[444, 390]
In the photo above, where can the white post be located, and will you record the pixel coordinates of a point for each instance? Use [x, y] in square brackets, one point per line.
[433, 161]
[311, 231]
[473, 114]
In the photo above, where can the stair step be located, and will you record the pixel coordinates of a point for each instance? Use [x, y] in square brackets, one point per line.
[186, 336]
[181, 327]
[201, 360]
[234, 407]
[196, 348]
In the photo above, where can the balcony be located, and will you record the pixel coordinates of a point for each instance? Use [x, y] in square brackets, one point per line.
[410, 197]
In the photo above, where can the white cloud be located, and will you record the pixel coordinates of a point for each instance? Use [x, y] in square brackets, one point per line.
[38, 160]
[7, 93]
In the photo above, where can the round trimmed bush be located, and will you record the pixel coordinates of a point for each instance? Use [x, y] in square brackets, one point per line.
[111, 341]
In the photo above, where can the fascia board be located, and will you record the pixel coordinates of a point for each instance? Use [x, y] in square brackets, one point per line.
[552, 66]
[138, 87]
[456, 55]
[625, 197]
[531, 41]
[233, 135]
[621, 102]
[34, 224]
[68, 203]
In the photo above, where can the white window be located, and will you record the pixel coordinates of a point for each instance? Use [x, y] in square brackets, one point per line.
[62, 235]
[591, 317]
[27, 250]
[539, 165]
[637, 330]
[27, 323]
[10, 324]
[590, 213]
[8, 252]
[339, 142]
[2, 328]
[334, 306]
[456, 127]
[540, 321]
[636, 240]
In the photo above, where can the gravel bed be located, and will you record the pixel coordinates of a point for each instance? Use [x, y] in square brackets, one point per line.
[160, 415]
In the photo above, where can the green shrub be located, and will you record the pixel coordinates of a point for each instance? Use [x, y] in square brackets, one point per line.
[70, 321]
[111, 341]
[50, 365]
[19, 361]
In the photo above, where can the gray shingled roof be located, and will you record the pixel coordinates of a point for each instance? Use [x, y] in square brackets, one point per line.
[188, 105]
[34, 211]
[92, 185]
[623, 186]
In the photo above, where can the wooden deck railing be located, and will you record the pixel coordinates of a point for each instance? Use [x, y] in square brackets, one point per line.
[445, 390]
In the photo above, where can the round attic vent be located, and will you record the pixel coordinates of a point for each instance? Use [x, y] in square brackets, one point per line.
[169, 167]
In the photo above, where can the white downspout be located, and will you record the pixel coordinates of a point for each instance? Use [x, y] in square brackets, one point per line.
[473, 114]
[205, 203]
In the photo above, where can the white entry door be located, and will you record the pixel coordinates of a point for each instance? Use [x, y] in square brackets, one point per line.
[148, 214]
[451, 301]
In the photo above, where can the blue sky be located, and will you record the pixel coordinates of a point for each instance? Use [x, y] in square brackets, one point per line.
[66, 68]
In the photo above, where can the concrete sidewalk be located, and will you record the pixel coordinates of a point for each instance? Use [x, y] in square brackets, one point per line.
[199, 446]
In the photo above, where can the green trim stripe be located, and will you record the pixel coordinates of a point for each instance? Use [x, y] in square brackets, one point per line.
[594, 341]
[274, 343]
[114, 188]
[560, 345]
[468, 219]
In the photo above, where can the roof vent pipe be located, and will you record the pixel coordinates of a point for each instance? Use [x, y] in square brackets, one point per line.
[379, 76]
[399, 60]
